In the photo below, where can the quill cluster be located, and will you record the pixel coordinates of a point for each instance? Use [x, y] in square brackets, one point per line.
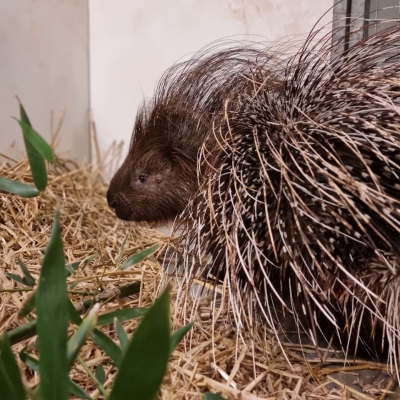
[293, 195]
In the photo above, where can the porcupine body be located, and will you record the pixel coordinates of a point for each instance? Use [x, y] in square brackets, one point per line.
[291, 171]
[299, 203]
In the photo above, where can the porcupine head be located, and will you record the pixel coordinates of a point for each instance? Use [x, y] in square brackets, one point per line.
[159, 174]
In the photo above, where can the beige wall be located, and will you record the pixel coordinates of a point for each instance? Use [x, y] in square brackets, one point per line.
[44, 60]
[133, 42]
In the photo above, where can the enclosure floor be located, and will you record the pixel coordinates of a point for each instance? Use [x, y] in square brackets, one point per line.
[214, 356]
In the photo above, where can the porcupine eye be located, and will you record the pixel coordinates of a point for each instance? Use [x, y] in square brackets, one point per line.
[142, 178]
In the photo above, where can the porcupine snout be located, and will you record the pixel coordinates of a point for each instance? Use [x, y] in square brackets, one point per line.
[112, 200]
[119, 203]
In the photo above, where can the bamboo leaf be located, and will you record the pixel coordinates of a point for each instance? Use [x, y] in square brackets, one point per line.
[137, 258]
[78, 339]
[122, 315]
[77, 391]
[38, 166]
[108, 346]
[21, 333]
[28, 305]
[145, 361]
[27, 279]
[74, 389]
[37, 142]
[11, 384]
[37, 150]
[121, 250]
[30, 361]
[71, 268]
[52, 310]
[100, 374]
[212, 396]
[88, 260]
[122, 336]
[23, 115]
[100, 338]
[178, 335]
[16, 278]
[73, 313]
[30, 280]
[18, 188]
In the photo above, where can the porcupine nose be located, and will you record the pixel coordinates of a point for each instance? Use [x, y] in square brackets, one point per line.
[112, 199]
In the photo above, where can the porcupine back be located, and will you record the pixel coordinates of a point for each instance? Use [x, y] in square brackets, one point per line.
[300, 200]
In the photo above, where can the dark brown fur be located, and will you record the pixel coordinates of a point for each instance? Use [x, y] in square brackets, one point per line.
[159, 174]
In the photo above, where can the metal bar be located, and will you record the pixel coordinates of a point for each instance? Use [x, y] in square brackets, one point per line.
[367, 11]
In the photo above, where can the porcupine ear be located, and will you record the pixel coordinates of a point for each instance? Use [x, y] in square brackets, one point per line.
[166, 155]
[167, 166]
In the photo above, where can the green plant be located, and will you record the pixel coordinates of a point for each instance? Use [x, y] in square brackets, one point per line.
[141, 361]
[38, 151]
[212, 396]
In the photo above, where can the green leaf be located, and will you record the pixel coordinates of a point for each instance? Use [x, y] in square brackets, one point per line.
[30, 280]
[88, 260]
[212, 396]
[11, 384]
[16, 278]
[33, 363]
[21, 189]
[38, 166]
[77, 391]
[23, 115]
[28, 306]
[137, 258]
[108, 346]
[21, 333]
[100, 338]
[78, 339]
[37, 142]
[178, 335]
[145, 361]
[30, 361]
[73, 313]
[71, 268]
[122, 336]
[121, 250]
[37, 150]
[52, 322]
[85, 264]
[27, 279]
[122, 315]
[100, 374]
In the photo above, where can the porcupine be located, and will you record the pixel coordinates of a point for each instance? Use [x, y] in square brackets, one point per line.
[298, 197]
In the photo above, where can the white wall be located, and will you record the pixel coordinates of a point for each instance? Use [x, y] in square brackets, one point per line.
[133, 42]
[44, 60]
[44, 47]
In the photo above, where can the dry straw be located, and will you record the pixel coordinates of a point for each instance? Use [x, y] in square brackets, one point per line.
[213, 358]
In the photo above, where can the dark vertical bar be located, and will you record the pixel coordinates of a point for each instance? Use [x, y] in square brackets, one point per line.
[347, 27]
[367, 11]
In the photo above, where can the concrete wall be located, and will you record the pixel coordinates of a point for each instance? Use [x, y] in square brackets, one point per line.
[133, 42]
[45, 62]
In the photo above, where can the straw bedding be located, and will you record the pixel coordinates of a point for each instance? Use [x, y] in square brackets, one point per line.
[212, 358]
